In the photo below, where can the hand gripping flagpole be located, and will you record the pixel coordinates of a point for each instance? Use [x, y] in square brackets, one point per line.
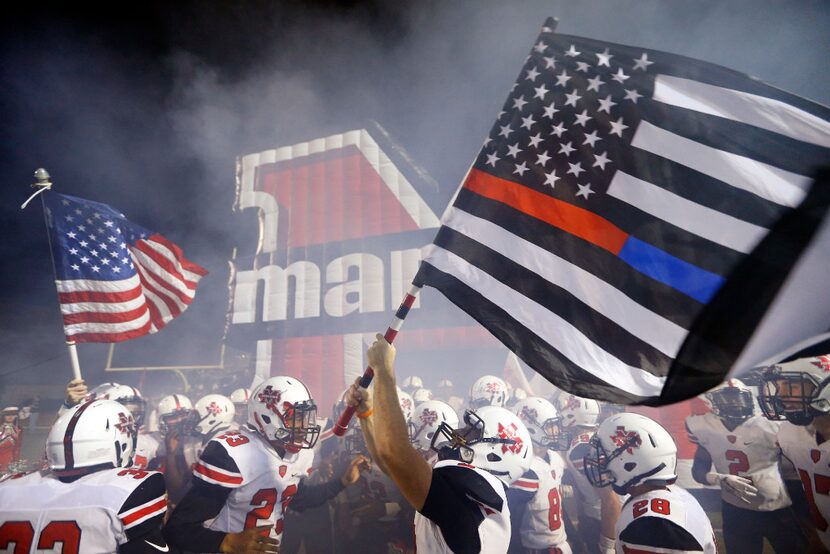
[41, 184]
[342, 424]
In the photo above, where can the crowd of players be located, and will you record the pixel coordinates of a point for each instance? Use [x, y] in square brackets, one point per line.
[495, 471]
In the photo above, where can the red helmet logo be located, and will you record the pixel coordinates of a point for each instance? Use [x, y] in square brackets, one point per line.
[573, 403]
[428, 416]
[510, 432]
[125, 423]
[271, 398]
[529, 414]
[823, 363]
[631, 439]
[493, 386]
[214, 408]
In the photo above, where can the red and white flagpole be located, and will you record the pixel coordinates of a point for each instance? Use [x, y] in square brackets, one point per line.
[41, 184]
[342, 424]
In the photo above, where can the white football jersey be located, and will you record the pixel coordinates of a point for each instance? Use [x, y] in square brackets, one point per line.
[95, 513]
[664, 520]
[589, 502]
[750, 450]
[146, 450]
[542, 526]
[812, 461]
[465, 507]
[262, 482]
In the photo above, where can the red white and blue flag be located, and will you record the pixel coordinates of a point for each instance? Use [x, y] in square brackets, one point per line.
[633, 216]
[116, 280]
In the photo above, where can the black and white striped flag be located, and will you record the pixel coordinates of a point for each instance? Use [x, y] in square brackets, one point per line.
[635, 219]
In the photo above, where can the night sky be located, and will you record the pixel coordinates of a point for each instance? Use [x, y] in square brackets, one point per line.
[146, 106]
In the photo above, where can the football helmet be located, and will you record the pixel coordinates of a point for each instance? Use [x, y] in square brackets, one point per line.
[543, 423]
[412, 383]
[493, 439]
[407, 407]
[282, 410]
[214, 413]
[488, 391]
[427, 418]
[796, 391]
[355, 443]
[175, 412]
[577, 411]
[126, 395]
[630, 449]
[240, 398]
[91, 436]
[731, 400]
[421, 395]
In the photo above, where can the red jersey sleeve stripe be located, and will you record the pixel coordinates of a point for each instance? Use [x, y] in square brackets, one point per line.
[201, 470]
[144, 512]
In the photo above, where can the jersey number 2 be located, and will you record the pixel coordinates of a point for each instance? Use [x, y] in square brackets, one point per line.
[740, 463]
[22, 534]
[265, 500]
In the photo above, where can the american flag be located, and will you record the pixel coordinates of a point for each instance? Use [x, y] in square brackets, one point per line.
[116, 280]
[618, 189]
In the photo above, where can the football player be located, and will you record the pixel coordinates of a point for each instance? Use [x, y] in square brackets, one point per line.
[240, 397]
[742, 447]
[461, 501]
[90, 500]
[535, 498]
[245, 479]
[637, 457]
[597, 508]
[798, 392]
[488, 390]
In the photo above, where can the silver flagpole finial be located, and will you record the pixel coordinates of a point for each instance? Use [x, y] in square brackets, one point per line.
[42, 183]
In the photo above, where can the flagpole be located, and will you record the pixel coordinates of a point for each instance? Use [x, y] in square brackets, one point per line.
[342, 425]
[42, 184]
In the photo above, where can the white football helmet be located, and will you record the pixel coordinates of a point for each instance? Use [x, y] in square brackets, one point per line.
[407, 407]
[91, 436]
[731, 400]
[488, 391]
[175, 412]
[421, 395]
[123, 394]
[240, 398]
[577, 411]
[796, 391]
[282, 410]
[427, 418]
[412, 382]
[630, 449]
[214, 413]
[543, 423]
[493, 439]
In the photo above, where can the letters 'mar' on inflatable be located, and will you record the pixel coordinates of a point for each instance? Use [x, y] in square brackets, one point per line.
[342, 221]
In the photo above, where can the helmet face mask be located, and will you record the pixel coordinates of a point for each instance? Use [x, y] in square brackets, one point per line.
[732, 403]
[790, 396]
[284, 413]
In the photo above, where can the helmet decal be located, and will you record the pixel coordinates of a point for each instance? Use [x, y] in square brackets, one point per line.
[572, 403]
[214, 408]
[270, 397]
[529, 414]
[428, 416]
[822, 362]
[125, 424]
[510, 432]
[406, 403]
[493, 386]
[629, 439]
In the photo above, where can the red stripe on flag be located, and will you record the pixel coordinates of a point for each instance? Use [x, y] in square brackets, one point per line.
[112, 337]
[164, 262]
[217, 476]
[171, 306]
[165, 282]
[104, 317]
[572, 219]
[159, 506]
[187, 264]
[95, 296]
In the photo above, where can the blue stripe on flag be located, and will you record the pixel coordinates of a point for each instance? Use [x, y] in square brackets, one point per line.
[682, 276]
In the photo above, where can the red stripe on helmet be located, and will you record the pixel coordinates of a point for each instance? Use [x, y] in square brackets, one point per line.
[68, 455]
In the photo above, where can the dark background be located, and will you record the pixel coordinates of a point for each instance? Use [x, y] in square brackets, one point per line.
[146, 107]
